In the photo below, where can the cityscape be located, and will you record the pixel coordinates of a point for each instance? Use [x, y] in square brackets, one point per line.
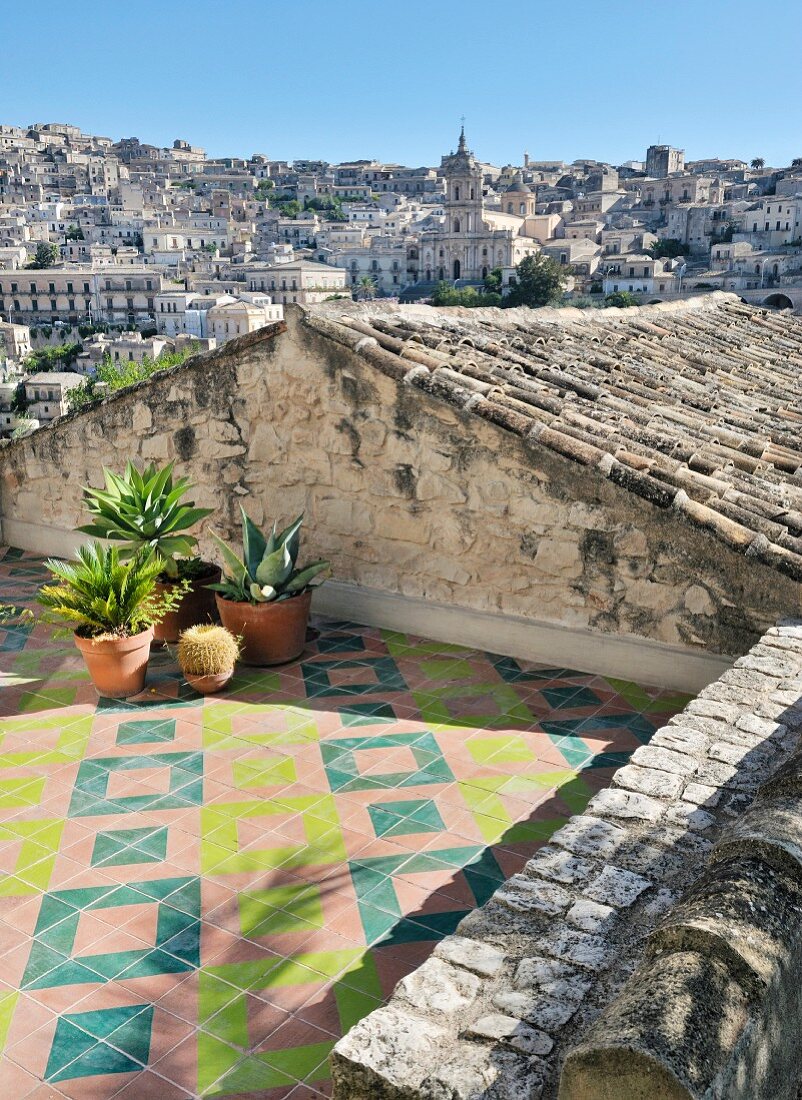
[121, 251]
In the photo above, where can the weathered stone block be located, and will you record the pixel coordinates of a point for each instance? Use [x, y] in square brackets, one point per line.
[480, 958]
[668, 1035]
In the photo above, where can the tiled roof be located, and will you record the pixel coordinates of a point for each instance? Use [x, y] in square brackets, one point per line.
[694, 406]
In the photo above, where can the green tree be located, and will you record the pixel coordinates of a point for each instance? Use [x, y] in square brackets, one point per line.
[758, 162]
[447, 295]
[52, 358]
[74, 233]
[116, 376]
[796, 162]
[539, 281]
[493, 281]
[668, 247]
[46, 255]
[621, 298]
[365, 288]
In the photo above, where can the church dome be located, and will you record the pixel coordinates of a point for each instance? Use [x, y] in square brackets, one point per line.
[518, 187]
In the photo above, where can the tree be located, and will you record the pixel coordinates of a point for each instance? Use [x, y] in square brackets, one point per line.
[622, 299]
[493, 281]
[447, 295]
[758, 162]
[366, 288]
[539, 281]
[46, 255]
[796, 162]
[669, 247]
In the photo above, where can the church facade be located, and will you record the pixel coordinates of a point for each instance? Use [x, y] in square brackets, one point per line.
[474, 239]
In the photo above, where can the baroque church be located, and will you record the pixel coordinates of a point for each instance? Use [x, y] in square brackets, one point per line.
[475, 238]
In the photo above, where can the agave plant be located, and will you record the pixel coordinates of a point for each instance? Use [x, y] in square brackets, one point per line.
[146, 511]
[267, 569]
[100, 594]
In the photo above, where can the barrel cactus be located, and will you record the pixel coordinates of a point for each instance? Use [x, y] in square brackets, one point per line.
[207, 650]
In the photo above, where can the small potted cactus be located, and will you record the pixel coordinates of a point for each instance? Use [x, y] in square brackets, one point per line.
[207, 655]
[264, 598]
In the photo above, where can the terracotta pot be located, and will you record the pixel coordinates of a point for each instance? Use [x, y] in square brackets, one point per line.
[272, 633]
[196, 607]
[117, 665]
[211, 684]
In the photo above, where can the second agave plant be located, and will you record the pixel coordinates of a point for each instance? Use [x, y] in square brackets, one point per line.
[265, 597]
[147, 511]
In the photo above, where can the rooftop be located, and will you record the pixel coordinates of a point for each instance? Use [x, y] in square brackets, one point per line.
[202, 895]
[693, 406]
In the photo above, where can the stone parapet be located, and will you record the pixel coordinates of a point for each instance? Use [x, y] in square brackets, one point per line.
[587, 953]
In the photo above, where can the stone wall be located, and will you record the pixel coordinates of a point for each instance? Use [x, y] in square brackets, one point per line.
[713, 1009]
[405, 493]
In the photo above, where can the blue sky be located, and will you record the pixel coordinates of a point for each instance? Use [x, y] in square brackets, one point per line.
[347, 79]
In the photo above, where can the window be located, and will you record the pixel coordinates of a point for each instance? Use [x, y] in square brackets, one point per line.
[14, 290]
[130, 304]
[35, 305]
[69, 288]
[53, 305]
[71, 304]
[33, 288]
[86, 288]
[52, 288]
[109, 305]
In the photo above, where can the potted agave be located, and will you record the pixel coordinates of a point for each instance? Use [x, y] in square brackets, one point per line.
[146, 510]
[264, 598]
[113, 606]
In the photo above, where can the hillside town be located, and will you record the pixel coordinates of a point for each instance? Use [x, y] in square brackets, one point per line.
[123, 252]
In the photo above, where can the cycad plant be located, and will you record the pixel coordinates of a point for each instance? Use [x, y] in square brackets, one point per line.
[100, 595]
[146, 512]
[267, 570]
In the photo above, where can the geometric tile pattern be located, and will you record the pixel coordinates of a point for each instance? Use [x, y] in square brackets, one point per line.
[199, 896]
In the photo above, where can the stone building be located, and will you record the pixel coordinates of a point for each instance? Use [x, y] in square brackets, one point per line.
[474, 239]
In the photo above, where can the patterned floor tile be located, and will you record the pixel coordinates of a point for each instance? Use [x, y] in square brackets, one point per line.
[198, 896]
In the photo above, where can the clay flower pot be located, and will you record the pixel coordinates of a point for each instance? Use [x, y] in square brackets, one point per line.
[117, 666]
[211, 684]
[272, 633]
[197, 606]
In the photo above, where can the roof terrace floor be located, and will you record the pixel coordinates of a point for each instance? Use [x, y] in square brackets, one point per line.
[199, 896]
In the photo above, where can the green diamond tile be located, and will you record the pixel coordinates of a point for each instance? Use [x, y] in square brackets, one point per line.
[269, 772]
[80, 1049]
[500, 705]
[404, 817]
[145, 732]
[342, 768]
[38, 846]
[382, 918]
[177, 947]
[386, 677]
[280, 909]
[186, 784]
[120, 847]
[560, 698]
[500, 750]
[366, 714]
[220, 848]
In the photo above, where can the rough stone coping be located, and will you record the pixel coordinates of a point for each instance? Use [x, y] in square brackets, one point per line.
[688, 405]
[494, 1011]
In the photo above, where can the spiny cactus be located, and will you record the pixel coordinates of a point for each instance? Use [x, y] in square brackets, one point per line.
[207, 650]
